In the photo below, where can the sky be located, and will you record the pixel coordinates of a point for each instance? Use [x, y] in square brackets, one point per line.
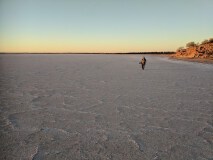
[103, 25]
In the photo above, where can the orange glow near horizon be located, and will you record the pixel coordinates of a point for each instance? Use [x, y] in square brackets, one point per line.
[60, 45]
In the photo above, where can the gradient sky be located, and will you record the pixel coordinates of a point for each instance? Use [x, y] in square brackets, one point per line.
[103, 25]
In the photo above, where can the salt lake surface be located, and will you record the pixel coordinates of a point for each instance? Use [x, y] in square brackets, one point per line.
[105, 107]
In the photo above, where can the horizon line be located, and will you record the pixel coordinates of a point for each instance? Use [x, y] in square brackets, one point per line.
[146, 52]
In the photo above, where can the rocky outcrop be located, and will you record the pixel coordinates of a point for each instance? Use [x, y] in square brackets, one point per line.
[198, 51]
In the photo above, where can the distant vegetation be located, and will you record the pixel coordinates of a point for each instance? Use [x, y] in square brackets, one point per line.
[191, 44]
[211, 40]
[179, 49]
[205, 41]
[193, 50]
[166, 52]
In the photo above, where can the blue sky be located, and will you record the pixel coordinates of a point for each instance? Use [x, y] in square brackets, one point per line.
[103, 25]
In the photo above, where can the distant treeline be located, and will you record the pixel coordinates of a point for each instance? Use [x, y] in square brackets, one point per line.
[93, 53]
[168, 52]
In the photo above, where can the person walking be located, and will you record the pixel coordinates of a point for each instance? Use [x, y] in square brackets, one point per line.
[143, 62]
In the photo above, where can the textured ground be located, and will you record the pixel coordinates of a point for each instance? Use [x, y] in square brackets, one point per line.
[105, 107]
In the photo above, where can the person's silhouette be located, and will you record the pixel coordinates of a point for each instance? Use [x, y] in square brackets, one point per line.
[143, 62]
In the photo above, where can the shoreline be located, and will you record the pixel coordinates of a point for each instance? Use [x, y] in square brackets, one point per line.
[198, 60]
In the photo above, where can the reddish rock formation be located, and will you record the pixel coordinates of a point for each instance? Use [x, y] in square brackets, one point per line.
[198, 51]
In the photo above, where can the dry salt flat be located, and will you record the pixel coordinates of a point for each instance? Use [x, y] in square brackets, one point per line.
[81, 107]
